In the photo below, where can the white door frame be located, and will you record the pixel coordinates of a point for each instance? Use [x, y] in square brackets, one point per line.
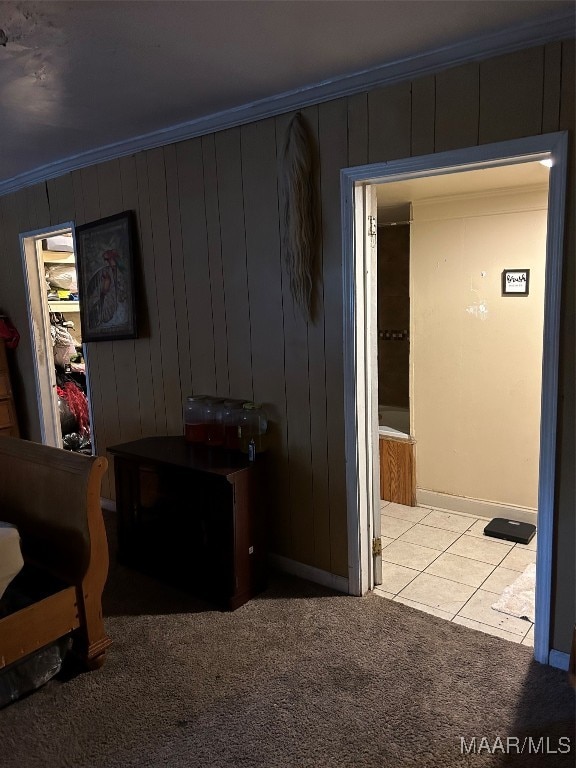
[360, 398]
[38, 313]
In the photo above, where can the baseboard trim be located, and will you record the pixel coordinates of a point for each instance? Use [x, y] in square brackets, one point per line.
[476, 507]
[108, 504]
[309, 572]
[559, 660]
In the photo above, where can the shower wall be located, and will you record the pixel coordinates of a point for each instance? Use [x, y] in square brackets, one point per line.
[393, 314]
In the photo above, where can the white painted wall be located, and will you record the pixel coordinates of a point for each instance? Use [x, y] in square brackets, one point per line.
[475, 354]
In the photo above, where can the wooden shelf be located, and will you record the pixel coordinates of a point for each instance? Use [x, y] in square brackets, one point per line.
[64, 306]
[58, 257]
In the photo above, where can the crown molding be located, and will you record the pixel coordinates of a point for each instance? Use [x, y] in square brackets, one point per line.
[552, 29]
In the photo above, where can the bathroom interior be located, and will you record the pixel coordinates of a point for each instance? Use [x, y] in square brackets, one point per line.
[459, 387]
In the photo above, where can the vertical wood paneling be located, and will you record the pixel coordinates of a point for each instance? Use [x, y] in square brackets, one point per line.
[266, 316]
[333, 149]
[152, 407]
[37, 205]
[215, 266]
[297, 405]
[511, 89]
[182, 361]
[389, 123]
[172, 392]
[61, 196]
[233, 249]
[317, 369]
[88, 209]
[127, 377]
[358, 129]
[112, 380]
[196, 267]
[140, 416]
[568, 96]
[552, 81]
[457, 108]
[423, 115]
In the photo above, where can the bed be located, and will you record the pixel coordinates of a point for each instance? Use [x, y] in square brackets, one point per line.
[51, 497]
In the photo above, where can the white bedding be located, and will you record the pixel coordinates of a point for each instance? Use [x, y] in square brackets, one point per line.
[11, 561]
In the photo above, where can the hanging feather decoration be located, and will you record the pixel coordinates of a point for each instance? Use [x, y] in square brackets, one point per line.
[299, 212]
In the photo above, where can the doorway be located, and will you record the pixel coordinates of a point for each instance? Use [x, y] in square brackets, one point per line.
[359, 217]
[60, 363]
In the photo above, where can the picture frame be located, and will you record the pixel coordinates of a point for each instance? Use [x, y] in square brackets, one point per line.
[515, 282]
[105, 267]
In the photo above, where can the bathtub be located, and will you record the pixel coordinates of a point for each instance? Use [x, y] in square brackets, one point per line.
[393, 421]
[397, 458]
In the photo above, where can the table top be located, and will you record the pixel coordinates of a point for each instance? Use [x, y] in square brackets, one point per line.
[173, 450]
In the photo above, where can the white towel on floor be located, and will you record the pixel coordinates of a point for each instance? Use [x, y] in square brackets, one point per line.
[518, 598]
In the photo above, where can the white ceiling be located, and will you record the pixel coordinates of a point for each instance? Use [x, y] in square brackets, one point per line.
[75, 76]
[394, 197]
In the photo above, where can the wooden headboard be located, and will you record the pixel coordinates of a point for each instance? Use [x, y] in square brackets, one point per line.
[53, 497]
[44, 492]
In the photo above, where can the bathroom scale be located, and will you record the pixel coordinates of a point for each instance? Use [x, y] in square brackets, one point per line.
[510, 530]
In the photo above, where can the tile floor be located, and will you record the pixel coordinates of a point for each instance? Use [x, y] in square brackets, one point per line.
[441, 563]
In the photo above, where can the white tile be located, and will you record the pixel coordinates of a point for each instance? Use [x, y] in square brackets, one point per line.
[402, 512]
[478, 530]
[409, 555]
[395, 577]
[460, 569]
[531, 544]
[479, 608]
[426, 608]
[392, 527]
[384, 504]
[385, 541]
[486, 628]
[499, 579]
[439, 593]
[486, 550]
[435, 538]
[517, 559]
[449, 521]
[382, 593]
[529, 637]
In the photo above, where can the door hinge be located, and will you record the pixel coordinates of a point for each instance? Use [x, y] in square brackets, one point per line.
[376, 547]
[372, 230]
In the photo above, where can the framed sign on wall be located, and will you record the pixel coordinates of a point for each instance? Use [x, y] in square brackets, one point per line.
[515, 282]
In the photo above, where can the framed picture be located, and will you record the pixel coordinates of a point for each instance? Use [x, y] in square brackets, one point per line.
[515, 282]
[105, 266]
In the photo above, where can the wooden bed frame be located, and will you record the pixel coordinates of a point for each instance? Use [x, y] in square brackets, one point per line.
[53, 497]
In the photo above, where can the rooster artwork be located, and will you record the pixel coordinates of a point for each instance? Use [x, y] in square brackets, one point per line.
[105, 290]
[105, 250]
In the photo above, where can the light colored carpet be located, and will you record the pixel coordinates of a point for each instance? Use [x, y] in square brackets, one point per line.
[300, 677]
[519, 598]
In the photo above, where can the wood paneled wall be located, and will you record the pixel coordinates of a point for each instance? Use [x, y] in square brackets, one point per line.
[216, 312]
